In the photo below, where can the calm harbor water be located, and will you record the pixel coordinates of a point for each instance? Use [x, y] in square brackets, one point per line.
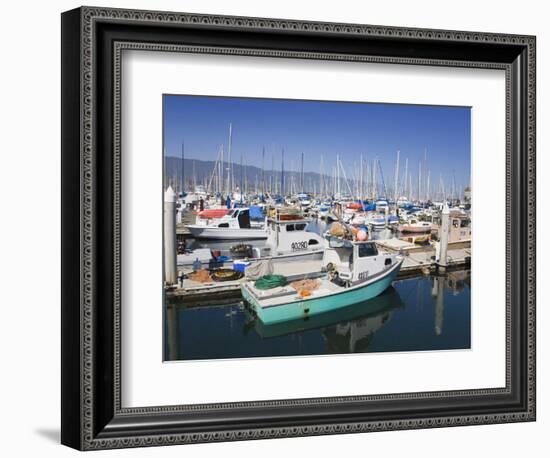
[425, 313]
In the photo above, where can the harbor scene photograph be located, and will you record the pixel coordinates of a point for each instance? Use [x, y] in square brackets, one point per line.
[303, 227]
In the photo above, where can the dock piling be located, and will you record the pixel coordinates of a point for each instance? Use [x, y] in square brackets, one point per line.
[443, 239]
[170, 272]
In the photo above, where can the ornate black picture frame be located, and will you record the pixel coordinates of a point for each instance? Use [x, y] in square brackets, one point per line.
[92, 42]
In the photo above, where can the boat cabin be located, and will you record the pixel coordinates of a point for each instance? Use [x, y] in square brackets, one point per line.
[355, 261]
[291, 235]
[460, 226]
[235, 218]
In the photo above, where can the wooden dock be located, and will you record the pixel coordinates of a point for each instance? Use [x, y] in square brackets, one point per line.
[422, 259]
[192, 289]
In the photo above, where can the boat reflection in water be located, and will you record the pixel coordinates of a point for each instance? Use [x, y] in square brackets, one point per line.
[345, 328]
[416, 314]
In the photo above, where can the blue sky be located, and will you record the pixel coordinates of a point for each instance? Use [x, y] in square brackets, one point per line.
[321, 128]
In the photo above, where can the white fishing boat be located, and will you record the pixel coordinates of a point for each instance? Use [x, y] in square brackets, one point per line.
[236, 225]
[288, 239]
[353, 272]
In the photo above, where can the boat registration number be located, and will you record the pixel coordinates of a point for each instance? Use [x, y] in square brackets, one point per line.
[363, 275]
[298, 246]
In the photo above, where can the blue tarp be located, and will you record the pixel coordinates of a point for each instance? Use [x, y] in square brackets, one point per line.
[256, 212]
[370, 208]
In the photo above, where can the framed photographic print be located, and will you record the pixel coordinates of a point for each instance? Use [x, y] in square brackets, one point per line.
[277, 228]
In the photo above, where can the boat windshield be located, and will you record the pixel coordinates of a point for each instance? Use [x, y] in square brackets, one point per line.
[367, 249]
[295, 227]
[337, 242]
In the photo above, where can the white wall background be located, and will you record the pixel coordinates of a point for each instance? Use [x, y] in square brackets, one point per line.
[30, 214]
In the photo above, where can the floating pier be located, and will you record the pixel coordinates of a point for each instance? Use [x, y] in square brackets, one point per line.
[193, 290]
[423, 259]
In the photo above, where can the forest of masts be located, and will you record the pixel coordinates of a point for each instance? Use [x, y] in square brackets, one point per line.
[365, 179]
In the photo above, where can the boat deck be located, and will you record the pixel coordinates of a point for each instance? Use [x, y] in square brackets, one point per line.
[272, 296]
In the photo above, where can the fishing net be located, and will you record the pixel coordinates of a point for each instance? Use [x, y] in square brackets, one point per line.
[305, 287]
[337, 229]
[200, 276]
[270, 281]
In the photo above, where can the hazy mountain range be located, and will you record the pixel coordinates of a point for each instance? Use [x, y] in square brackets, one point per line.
[201, 172]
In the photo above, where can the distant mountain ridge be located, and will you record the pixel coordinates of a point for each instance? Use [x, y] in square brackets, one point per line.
[199, 171]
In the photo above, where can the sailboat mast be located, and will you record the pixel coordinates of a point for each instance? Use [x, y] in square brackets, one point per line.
[321, 190]
[374, 196]
[419, 178]
[229, 166]
[182, 183]
[283, 172]
[263, 170]
[395, 189]
[405, 186]
[242, 188]
[428, 187]
[302, 175]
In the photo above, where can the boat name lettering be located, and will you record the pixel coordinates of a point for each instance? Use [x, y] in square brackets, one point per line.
[363, 275]
[298, 246]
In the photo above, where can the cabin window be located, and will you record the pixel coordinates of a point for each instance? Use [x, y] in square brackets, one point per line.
[455, 223]
[290, 227]
[313, 242]
[464, 223]
[300, 227]
[223, 225]
[367, 249]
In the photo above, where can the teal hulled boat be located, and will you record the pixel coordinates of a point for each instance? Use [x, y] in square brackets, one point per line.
[372, 313]
[353, 272]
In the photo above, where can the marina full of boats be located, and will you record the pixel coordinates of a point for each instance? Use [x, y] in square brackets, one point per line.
[293, 244]
[303, 255]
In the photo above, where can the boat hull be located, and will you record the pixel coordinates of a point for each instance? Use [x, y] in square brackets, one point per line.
[226, 233]
[382, 304]
[415, 229]
[302, 308]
